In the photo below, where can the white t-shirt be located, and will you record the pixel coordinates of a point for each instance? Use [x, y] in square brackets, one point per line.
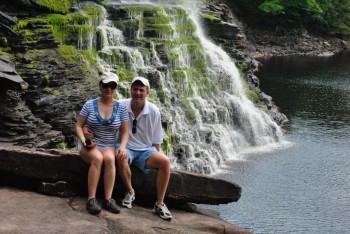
[148, 128]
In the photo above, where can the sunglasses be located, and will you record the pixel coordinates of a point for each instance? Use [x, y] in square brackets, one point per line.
[134, 122]
[111, 85]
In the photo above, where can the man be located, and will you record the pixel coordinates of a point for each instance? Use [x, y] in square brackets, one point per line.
[145, 137]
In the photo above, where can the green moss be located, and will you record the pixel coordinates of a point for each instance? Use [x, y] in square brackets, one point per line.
[210, 17]
[46, 79]
[262, 107]
[57, 19]
[3, 41]
[124, 74]
[120, 25]
[57, 93]
[62, 145]
[189, 112]
[252, 95]
[167, 144]
[241, 67]
[197, 104]
[61, 6]
[23, 23]
[145, 10]
[78, 31]
[89, 56]
[153, 97]
[93, 12]
[6, 52]
[187, 27]
[178, 12]
[163, 96]
[58, 22]
[159, 19]
[68, 52]
[101, 1]
[47, 89]
[79, 18]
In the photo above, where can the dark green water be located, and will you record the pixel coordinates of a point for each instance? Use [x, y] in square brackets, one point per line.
[303, 186]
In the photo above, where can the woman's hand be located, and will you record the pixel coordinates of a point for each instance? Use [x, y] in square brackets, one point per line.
[88, 133]
[121, 153]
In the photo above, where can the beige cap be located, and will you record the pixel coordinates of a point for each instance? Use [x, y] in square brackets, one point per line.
[109, 77]
[142, 80]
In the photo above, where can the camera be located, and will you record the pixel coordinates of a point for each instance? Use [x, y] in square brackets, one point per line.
[88, 142]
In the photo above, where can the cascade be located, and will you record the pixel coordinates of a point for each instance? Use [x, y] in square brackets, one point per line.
[195, 84]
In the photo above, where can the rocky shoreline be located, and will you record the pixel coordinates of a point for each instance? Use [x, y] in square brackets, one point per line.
[264, 44]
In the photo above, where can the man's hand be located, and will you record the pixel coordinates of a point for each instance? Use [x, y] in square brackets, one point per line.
[88, 133]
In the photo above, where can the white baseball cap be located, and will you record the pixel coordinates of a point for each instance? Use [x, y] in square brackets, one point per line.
[142, 80]
[109, 77]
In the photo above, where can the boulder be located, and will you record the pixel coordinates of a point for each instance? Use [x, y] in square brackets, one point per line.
[62, 172]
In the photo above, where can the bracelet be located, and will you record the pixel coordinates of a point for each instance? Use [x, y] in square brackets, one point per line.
[82, 139]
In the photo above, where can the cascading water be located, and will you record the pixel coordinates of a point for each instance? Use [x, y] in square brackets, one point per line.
[194, 82]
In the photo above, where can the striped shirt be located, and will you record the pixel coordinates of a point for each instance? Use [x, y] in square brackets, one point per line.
[105, 136]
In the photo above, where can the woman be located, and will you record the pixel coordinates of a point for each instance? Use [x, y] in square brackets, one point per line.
[105, 117]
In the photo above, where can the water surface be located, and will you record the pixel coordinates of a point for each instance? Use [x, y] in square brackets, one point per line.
[303, 186]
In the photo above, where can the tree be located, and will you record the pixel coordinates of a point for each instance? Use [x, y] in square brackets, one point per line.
[335, 17]
[290, 13]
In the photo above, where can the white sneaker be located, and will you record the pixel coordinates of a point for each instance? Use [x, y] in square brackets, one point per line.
[128, 199]
[162, 211]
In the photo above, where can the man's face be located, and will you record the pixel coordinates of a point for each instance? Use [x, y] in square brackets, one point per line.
[139, 92]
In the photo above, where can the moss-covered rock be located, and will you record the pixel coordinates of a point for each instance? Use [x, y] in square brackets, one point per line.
[61, 6]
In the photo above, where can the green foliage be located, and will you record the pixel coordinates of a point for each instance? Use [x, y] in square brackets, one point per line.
[292, 13]
[334, 18]
[326, 16]
[272, 7]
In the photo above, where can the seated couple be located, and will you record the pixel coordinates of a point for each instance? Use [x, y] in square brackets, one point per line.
[139, 143]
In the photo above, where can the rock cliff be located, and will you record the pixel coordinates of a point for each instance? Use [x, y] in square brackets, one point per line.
[61, 79]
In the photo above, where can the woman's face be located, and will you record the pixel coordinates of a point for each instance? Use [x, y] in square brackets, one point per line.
[108, 89]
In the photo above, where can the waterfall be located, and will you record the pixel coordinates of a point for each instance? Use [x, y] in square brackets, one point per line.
[195, 84]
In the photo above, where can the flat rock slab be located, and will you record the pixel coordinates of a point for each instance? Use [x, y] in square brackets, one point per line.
[65, 171]
[30, 212]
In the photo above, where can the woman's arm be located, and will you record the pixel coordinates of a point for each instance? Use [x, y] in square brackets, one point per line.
[79, 128]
